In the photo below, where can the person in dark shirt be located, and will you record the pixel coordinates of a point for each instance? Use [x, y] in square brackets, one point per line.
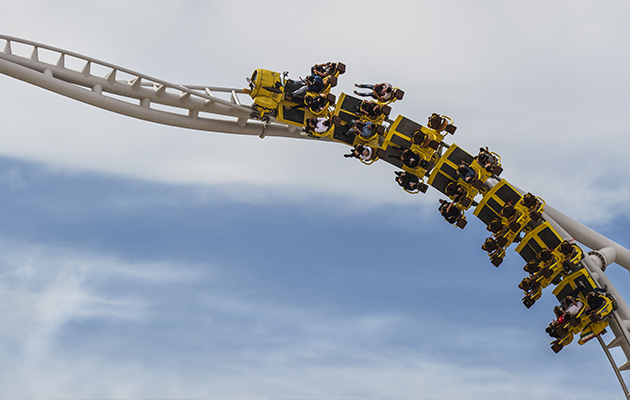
[407, 181]
[465, 172]
[410, 158]
[380, 92]
[449, 211]
[313, 83]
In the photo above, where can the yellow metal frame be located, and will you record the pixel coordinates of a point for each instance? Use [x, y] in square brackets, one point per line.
[535, 236]
[268, 101]
[426, 153]
[491, 201]
[445, 167]
[344, 115]
[556, 269]
[585, 327]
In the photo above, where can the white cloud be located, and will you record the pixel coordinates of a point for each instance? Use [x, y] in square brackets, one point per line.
[246, 344]
[523, 79]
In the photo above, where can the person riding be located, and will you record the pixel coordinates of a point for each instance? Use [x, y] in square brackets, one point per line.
[323, 70]
[437, 122]
[313, 83]
[449, 211]
[381, 92]
[361, 152]
[509, 212]
[595, 302]
[410, 158]
[465, 172]
[572, 307]
[486, 159]
[455, 191]
[318, 124]
[370, 109]
[496, 227]
[420, 138]
[365, 129]
[530, 202]
[491, 246]
[407, 180]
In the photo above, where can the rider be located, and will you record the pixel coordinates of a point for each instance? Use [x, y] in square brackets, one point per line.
[407, 181]
[313, 83]
[380, 92]
[449, 211]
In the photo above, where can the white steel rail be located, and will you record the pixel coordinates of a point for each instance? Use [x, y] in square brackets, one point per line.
[134, 97]
[595, 263]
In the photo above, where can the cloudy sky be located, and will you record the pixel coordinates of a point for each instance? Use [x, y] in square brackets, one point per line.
[145, 261]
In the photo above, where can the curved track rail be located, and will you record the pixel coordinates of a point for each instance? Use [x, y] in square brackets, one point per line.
[130, 93]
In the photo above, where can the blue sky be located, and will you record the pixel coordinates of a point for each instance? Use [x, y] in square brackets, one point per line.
[147, 261]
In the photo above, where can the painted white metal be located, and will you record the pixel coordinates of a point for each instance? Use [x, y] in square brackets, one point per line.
[614, 365]
[619, 324]
[134, 97]
[591, 239]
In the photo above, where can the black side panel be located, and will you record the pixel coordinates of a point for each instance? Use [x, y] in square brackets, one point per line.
[459, 155]
[579, 285]
[529, 251]
[535, 247]
[587, 285]
[567, 290]
[340, 134]
[492, 203]
[294, 114]
[401, 142]
[351, 104]
[292, 86]
[550, 239]
[392, 156]
[407, 126]
[507, 194]
[440, 181]
[449, 171]
[486, 215]
[345, 117]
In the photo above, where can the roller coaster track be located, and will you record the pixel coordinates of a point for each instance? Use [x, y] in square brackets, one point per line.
[130, 93]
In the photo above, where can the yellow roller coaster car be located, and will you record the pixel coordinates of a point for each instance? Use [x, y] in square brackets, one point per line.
[267, 89]
[549, 266]
[591, 320]
[445, 172]
[544, 236]
[403, 135]
[351, 108]
[346, 114]
[506, 214]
